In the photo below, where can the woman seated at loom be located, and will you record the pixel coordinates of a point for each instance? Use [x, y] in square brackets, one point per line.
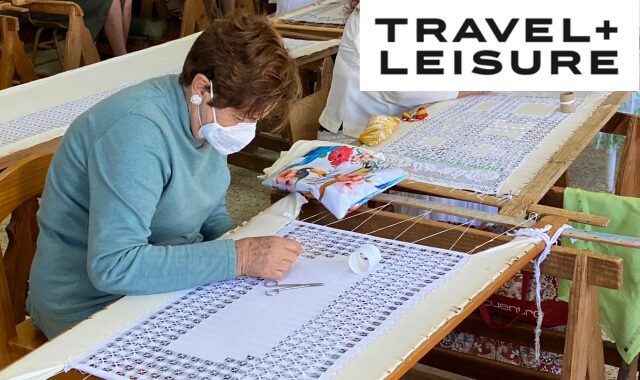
[135, 194]
[348, 109]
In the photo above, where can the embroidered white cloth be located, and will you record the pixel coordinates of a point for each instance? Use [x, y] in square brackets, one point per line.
[330, 12]
[492, 144]
[232, 330]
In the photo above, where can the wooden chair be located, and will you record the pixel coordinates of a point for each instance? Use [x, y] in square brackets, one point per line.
[14, 59]
[305, 113]
[20, 186]
[79, 47]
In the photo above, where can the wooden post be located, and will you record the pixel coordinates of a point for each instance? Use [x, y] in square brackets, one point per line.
[194, 17]
[79, 42]
[628, 183]
[14, 59]
[583, 354]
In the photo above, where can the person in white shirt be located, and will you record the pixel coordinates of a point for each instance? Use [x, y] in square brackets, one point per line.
[348, 107]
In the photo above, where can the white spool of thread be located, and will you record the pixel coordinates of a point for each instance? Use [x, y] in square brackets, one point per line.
[364, 259]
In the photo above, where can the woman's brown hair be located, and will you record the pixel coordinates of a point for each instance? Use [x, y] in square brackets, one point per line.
[244, 57]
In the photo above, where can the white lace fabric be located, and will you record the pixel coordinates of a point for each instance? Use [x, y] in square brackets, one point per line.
[349, 318]
[491, 144]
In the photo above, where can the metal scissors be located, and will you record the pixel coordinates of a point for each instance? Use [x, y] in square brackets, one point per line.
[277, 288]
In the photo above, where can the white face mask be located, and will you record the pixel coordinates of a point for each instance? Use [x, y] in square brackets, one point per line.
[227, 140]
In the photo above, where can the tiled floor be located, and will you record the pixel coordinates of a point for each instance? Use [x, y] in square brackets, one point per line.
[246, 196]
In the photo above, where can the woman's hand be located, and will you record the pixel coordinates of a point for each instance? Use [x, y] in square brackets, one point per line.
[268, 257]
[462, 94]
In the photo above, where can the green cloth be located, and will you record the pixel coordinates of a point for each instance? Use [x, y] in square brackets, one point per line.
[132, 205]
[619, 309]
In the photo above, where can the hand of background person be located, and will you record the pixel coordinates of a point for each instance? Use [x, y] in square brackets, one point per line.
[467, 93]
[268, 256]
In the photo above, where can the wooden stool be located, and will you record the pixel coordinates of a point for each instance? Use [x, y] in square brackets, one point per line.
[79, 48]
[14, 59]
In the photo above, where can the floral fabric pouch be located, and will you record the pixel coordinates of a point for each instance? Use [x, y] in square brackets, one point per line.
[341, 177]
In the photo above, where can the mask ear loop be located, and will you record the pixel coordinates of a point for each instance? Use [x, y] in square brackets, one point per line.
[213, 109]
[199, 117]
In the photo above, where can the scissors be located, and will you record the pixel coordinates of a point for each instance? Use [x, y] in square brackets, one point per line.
[276, 288]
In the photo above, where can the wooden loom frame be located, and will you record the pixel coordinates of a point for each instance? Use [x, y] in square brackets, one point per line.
[592, 270]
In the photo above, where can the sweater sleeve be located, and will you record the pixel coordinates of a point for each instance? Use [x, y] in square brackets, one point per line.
[217, 223]
[128, 169]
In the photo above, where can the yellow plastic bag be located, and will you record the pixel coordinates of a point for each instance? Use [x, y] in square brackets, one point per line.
[379, 128]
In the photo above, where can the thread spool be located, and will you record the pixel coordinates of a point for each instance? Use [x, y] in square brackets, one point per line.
[364, 259]
[567, 102]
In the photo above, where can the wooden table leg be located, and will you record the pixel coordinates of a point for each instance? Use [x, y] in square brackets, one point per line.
[583, 354]
[194, 17]
[628, 183]
[14, 59]
[79, 44]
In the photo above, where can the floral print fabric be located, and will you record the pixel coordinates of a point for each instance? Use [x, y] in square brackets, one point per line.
[341, 177]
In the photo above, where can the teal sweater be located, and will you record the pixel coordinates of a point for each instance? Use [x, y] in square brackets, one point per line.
[131, 206]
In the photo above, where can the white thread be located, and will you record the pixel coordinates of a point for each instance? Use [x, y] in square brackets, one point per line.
[505, 233]
[418, 218]
[569, 102]
[362, 213]
[314, 215]
[548, 241]
[462, 234]
[441, 232]
[369, 218]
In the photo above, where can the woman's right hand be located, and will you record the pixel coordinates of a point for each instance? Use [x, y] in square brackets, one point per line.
[268, 256]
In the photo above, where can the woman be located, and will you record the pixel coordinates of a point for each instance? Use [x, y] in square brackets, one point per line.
[135, 194]
[347, 107]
